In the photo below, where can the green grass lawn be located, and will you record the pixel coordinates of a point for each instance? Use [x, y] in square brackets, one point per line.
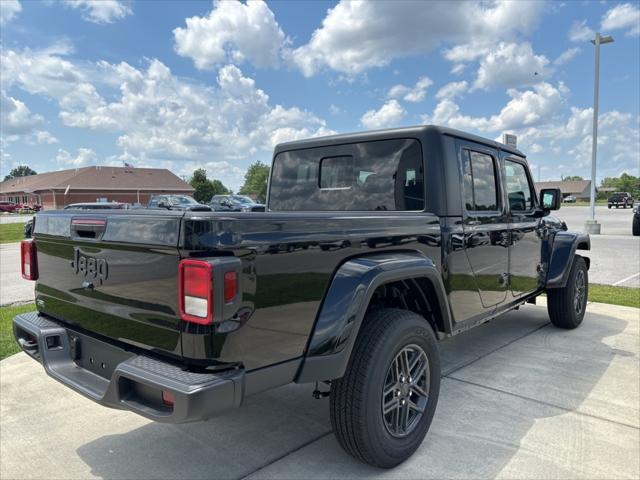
[11, 232]
[625, 296]
[8, 345]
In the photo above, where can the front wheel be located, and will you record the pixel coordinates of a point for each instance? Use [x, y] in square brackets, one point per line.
[383, 406]
[566, 306]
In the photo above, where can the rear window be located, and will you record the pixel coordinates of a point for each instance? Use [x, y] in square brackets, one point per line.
[368, 176]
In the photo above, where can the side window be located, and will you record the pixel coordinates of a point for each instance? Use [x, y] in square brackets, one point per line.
[518, 187]
[153, 202]
[479, 179]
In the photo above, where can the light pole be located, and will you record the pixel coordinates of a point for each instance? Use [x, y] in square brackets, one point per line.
[591, 225]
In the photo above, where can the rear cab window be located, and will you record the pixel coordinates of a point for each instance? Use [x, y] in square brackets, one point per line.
[385, 175]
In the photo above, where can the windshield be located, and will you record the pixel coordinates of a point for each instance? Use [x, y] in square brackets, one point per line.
[240, 199]
[184, 200]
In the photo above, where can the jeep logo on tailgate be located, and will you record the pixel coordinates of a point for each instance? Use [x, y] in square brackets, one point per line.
[89, 266]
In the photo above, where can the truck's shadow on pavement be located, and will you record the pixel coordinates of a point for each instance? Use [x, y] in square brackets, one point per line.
[477, 429]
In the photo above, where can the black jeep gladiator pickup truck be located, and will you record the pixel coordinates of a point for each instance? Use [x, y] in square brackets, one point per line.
[374, 246]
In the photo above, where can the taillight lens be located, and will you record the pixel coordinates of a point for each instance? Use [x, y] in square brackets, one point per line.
[230, 286]
[28, 260]
[195, 287]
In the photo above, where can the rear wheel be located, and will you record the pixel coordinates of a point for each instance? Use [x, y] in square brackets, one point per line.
[566, 306]
[383, 406]
[635, 229]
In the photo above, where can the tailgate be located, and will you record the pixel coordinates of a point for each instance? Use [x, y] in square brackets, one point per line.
[114, 274]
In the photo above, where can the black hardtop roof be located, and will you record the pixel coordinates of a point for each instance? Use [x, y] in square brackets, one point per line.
[418, 131]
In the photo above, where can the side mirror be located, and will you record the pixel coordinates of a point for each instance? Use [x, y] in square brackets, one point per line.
[550, 198]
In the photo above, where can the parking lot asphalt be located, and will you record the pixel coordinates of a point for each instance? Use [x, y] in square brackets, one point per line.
[11, 218]
[519, 399]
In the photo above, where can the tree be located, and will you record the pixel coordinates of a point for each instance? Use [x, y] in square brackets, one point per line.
[21, 171]
[255, 181]
[623, 183]
[205, 188]
[572, 178]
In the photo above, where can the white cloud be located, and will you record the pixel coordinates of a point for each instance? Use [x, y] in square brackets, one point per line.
[46, 72]
[452, 90]
[526, 108]
[101, 11]
[9, 9]
[17, 123]
[335, 110]
[232, 32]
[357, 35]
[566, 56]
[84, 157]
[581, 32]
[511, 65]
[388, 115]
[414, 94]
[160, 117]
[623, 17]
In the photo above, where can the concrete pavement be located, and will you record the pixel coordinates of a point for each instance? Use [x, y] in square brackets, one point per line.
[519, 399]
[13, 288]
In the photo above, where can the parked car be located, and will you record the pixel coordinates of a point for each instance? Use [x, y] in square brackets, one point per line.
[7, 206]
[29, 224]
[431, 231]
[177, 202]
[635, 225]
[620, 199]
[569, 199]
[235, 203]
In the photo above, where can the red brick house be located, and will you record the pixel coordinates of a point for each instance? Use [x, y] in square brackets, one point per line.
[93, 184]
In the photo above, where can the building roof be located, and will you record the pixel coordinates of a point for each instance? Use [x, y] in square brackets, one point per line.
[99, 178]
[566, 187]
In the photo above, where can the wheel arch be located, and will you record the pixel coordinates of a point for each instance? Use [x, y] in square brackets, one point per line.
[357, 283]
[563, 250]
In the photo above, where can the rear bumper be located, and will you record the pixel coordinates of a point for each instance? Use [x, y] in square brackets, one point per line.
[116, 378]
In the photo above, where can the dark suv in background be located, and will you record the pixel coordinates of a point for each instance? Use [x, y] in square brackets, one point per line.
[235, 203]
[620, 199]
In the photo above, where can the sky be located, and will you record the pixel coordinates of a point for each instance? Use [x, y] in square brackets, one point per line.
[215, 85]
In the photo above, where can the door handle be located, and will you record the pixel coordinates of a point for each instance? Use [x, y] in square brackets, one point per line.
[473, 223]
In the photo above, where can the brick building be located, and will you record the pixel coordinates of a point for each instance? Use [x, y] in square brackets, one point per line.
[93, 184]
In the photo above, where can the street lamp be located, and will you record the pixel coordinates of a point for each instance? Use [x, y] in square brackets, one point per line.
[591, 225]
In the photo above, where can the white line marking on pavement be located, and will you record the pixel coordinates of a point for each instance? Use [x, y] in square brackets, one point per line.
[625, 279]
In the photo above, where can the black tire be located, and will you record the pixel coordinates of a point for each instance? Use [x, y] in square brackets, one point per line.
[566, 306]
[356, 402]
[635, 226]
[609, 207]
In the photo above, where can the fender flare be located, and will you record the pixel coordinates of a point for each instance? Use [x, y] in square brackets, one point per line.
[345, 303]
[563, 250]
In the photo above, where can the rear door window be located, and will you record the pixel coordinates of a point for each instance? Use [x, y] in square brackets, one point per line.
[368, 176]
[479, 182]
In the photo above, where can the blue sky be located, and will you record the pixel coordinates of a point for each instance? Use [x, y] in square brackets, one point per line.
[192, 84]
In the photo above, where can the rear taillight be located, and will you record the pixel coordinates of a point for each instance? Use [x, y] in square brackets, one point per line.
[28, 260]
[195, 287]
[230, 286]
